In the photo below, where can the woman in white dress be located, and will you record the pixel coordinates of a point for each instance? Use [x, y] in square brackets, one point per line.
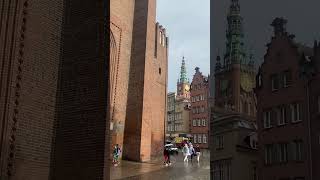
[185, 152]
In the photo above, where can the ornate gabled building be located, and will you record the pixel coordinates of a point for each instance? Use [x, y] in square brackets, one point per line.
[288, 99]
[199, 115]
[232, 120]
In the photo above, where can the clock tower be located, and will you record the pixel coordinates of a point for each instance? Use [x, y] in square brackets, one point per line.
[183, 85]
[235, 72]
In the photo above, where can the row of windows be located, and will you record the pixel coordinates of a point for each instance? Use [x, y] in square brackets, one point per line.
[247, 108]
[171, 117]
[177, 127]
[282, 115]
[283, 152]
[178, 115]
[197, 110]
[197, 98]
[281, 80]
[196, 86]
[200, 138]
[199, 122]
[219, 142]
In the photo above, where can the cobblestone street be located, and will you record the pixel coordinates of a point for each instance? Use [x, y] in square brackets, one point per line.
[157, 171]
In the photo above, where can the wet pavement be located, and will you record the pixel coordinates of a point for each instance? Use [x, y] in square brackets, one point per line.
[179, 170]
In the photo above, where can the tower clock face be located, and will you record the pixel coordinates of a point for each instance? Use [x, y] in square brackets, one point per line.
[187, 88]
[246, 82]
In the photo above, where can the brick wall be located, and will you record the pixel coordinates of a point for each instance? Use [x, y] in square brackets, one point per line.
[121, 27]
[79, 151]
[28, 81]
[200, 87]
[144, 128]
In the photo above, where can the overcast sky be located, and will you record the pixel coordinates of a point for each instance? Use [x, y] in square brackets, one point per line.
[188, 27]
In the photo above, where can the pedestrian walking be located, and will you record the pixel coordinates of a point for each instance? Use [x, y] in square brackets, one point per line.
[185, 152]
[192, 152]
[166, 154]
[116, 154]
[197, 149]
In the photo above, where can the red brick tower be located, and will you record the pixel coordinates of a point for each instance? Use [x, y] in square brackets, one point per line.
[146, 105]
[121, 25]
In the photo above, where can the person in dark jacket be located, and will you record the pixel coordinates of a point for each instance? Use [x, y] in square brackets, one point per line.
[197, 150]
[166, 154]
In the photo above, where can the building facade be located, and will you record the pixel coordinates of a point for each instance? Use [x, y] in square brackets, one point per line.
[171, 103]
[233, 131]
[138, 79]
[179, 106]
[182, 103]
[287, 95]
[314, 100]
[199, 114]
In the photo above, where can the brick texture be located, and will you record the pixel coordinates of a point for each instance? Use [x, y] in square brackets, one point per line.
[144, 127]
[30, 45]
[79, 151]
[199, 88]
[121, 24]
[53, 90]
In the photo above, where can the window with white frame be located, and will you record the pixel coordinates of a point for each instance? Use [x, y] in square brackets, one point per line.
[194, 122]
[297, 150]
[199, 122]
[268, 154]
[219, 142]
[267, 119]
[283, 152]
[194, 138]
[203, 122]
[204, 140]
[287, 78]
[199, 138]
[281, 115]
[274, 82]
[296, 112]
